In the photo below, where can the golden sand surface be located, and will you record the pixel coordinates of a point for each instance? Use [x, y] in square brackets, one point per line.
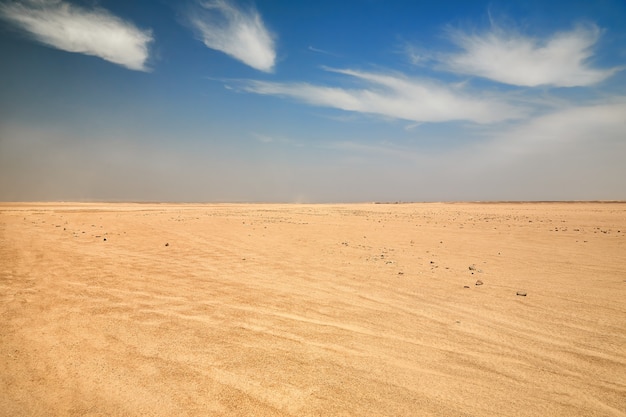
[313, 310]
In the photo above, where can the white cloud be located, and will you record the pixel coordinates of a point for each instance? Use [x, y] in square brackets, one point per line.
[236, 32]
[511, 58]
[397, 97]
[321, 51]
[570, 154]
[593, 126]
[74, 29]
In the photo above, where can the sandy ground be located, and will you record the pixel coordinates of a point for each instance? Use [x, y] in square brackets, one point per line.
[313, 310]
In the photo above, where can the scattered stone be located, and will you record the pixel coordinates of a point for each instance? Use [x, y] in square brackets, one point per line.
[479, 282]
[472, 267]
[400, 273]
[521, 293]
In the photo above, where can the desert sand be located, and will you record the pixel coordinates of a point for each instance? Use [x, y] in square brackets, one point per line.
[313, 310]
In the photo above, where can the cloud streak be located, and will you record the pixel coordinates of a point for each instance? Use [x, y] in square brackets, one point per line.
[321, 51]
[395, 96]
[238, 33]
[74, 29]
[511, 58]
[596, 126]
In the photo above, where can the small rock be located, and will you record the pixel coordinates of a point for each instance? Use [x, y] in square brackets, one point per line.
[472, 267]
[521, 293]
[466, 286]
[479, 282]
[105, 239]
[167, 244]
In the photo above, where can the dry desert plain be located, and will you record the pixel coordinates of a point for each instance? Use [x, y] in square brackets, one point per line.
[313, 310]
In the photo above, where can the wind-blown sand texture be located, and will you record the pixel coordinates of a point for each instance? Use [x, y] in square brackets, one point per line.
[313, 310]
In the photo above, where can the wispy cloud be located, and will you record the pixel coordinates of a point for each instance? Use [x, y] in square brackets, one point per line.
[509, 57]
[396, 96]
[595, 125]
[321, 51]
[236, 32]
[75, 29]
[572, 153]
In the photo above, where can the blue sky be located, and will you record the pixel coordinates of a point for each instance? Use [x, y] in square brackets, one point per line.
[325, 101]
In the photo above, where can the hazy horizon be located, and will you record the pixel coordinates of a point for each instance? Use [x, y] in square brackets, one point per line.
[292, 102]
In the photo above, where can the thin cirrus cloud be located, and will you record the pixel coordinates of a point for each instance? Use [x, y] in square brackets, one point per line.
[395, 96]
[75, 29]
[238, 33]
[597, 126]
[508, 57]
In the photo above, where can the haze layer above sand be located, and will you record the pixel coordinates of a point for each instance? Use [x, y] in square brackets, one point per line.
[307, 310]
